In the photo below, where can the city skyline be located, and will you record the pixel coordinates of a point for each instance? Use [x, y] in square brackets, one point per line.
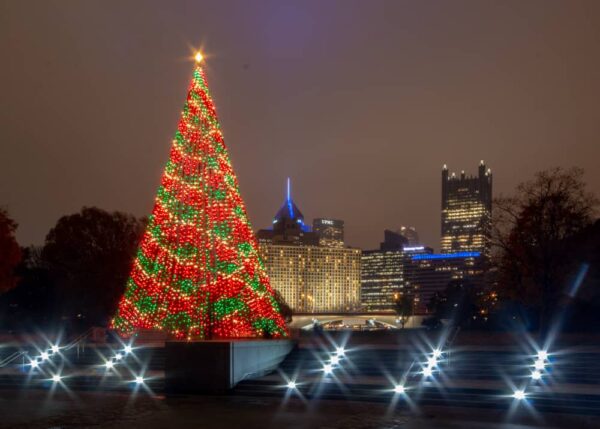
[303, 213]
[295, 103]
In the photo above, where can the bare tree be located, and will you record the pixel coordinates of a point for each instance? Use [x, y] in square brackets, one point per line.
[530, 230]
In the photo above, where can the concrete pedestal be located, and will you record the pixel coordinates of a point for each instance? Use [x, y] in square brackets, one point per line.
[217, 366]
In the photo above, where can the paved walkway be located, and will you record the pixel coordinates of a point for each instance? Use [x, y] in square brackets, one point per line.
[29, 409]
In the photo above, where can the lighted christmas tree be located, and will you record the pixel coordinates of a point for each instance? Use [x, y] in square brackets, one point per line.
[197, 273]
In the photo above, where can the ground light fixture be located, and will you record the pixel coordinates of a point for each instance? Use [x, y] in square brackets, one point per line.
[542, 355]
[44, 355]
[427, 371]
[56, 378]
[399, 389]
[109, 364]
[128, 349]
[34, 364]
[291, 384]
[536, 375]
[340, 351]
[437, 353]
[432, 361]
[55, 348]
[335, 360]
[539, 365]
[139, 380]
[519, 395]
[327, 368]
[118, 356]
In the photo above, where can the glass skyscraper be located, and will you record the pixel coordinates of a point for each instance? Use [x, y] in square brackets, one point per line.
[466, 211]
[428, 273]
[329, 231]
[382, 278]
[383, 272]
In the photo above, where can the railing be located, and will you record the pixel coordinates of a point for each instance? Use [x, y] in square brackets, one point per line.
[78, 342]
[6, 361]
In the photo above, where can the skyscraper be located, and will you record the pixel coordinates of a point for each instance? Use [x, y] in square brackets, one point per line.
[466, 211]
[383, 272]
[288, 225]
[428, 273]
[410, 233]
[329, 231]
[312, 278]
[382, 275]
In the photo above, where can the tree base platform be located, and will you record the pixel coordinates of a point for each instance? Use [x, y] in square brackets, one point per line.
[216, 366]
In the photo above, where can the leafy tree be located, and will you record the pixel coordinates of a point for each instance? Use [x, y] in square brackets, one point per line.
[531, 229]
[404, 305]
[89, 256]
[10, 253]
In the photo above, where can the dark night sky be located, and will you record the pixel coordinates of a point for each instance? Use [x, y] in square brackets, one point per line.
[360, 103]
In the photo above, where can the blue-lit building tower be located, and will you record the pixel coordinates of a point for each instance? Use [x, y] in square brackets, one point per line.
[311, 276]
[288, 225]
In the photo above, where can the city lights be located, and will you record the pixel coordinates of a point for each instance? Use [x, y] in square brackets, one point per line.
[463, 302]
[301, 292]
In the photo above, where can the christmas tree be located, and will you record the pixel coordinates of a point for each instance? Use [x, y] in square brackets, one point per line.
[197, 273]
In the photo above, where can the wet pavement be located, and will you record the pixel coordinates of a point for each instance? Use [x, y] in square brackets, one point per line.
[61, 409]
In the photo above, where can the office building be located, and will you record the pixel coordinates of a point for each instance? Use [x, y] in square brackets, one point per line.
[382, 278]
[393, 241]
[312, 278]
[466, 211]
[411, 235]
[427, 273]
[329, 231]
[382, 272]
